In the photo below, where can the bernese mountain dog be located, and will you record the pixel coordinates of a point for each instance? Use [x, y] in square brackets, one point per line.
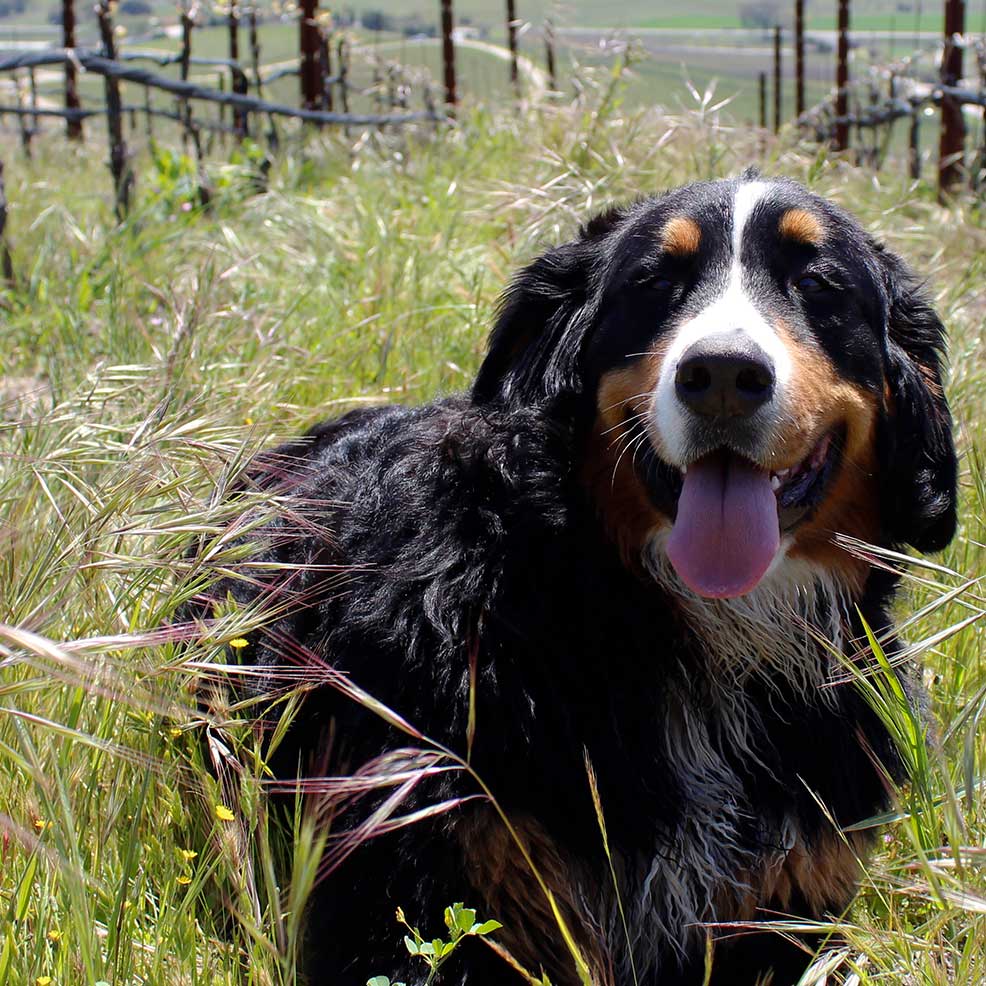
[569, 638]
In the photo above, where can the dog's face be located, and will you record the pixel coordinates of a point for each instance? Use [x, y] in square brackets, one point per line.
[753, 375]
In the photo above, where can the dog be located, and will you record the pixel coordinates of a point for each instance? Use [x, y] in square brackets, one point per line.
[569, 639]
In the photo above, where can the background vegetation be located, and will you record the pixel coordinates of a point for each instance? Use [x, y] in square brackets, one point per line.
[726, 40]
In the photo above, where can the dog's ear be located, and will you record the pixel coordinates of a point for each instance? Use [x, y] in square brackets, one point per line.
[541, 321]
[917, 455]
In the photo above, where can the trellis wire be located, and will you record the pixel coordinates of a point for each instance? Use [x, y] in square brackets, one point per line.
[190, 90]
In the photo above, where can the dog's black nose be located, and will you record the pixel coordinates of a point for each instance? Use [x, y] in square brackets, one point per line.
[724, 376]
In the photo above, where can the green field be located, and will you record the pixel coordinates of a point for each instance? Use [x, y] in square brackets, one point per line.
[898, 15]
[142, 363]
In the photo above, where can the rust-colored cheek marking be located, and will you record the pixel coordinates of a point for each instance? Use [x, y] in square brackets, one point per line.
[627, 514]
[531, 937]
[801, 226]
[681, 237]
[821, 401]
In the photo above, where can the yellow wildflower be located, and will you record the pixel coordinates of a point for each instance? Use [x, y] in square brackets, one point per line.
[54, 935]
[184, 880]
[43, 981]
[187, 854]
[224, 814]
[238, 643]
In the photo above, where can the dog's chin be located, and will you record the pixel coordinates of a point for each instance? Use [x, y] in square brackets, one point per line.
[729, 514]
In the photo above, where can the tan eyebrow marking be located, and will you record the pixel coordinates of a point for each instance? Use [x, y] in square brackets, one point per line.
[681, 237]
[801, 226]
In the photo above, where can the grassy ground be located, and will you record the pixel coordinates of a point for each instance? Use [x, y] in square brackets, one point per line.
[142, 364]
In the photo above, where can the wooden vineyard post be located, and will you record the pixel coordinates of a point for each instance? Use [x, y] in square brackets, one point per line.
[238, 79]
[6, 263]
[233, 26]
[221, 114]
[874, 154]
[799, 57]
[777, 79]
[952, 143]
[391, 86]
[273, 138]
[73, 127]
[119, 158]
[841, 141]
[762, 112]
[255, 52]
[856, 111]
[22, 123]
[189, 131]
[549, 54]
[888, 136]
[342, 56]
[310, 41]
[32, 78]
[914, 144]
[325, 68]
[512, 45]
[184, 106]
[979, 170]
[448, 56]
[377, 86]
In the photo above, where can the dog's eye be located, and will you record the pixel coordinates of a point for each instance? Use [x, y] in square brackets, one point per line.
[811, 284]
[657, 283]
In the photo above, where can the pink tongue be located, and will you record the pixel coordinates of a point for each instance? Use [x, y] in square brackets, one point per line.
[726, 533]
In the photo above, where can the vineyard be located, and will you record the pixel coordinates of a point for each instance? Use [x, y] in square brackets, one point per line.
[389, 86]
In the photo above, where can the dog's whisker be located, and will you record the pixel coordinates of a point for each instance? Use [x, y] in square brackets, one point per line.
[631, 433]
[633, 419]
[626, 400]
[634, 444]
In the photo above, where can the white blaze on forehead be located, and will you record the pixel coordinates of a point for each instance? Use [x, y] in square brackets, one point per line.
[733, 309]
[746, 198]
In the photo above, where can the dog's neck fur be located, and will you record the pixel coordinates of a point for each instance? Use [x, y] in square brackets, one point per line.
[781, 636]
[786, 632]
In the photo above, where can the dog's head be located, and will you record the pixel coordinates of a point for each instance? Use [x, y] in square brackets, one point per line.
[755, 375]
